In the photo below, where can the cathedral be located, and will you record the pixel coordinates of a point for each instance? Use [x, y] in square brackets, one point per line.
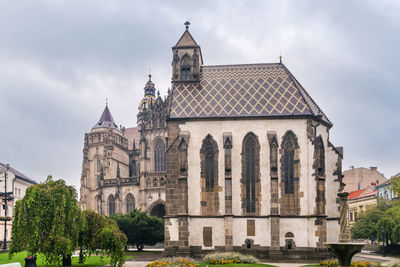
[125, 168]
[235, 157]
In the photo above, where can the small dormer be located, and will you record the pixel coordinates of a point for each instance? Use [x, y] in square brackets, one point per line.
[187, 58]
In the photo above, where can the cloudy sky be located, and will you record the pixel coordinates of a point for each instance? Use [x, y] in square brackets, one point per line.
[60, 60]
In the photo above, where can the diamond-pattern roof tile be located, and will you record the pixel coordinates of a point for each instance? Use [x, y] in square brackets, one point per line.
[256, 90]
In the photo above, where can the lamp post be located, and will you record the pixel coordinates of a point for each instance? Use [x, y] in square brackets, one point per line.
[383, 241]
[5, 170]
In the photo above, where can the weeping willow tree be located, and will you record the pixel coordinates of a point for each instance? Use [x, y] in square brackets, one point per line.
[47, 221]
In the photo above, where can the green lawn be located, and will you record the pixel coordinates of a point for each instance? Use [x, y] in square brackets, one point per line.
[19, 257]
[89, 261]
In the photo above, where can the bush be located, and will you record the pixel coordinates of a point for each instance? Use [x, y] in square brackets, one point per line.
[140, 229]
[335, 263]
[365, 264]
[329, 263]
[220, 258]
[171, 262]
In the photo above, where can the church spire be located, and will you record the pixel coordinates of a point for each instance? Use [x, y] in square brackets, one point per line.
[187, 59]
[106, 119]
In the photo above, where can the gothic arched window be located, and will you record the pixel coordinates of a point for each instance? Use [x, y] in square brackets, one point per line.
[288, 164]
[185, 68]
[130, 203]
[98, 165]
[209, 153]
[111, 205]
[250, 174]
[159, 156]
[320, 157]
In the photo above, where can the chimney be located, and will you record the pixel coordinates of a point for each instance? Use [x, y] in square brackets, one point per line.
[351, 167]
[373, 185]
[373, 168]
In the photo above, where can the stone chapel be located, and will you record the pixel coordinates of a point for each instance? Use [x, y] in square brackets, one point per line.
[235, 157]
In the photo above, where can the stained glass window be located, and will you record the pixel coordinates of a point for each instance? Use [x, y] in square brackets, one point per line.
[289, 165]
[111, 205]
[130, 203]
[159, 156]
[250, 175]
[208, 151]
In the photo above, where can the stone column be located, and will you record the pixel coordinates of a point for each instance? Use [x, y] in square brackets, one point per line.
[344, 233]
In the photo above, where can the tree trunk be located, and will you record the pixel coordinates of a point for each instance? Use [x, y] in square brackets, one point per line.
[81, 260]
[66, 260]
[139, 247]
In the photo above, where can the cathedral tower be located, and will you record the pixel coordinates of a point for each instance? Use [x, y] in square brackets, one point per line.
[105, 156]
[187, 58]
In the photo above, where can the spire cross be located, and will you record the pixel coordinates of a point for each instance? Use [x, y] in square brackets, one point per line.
[149, 73]
[187, 23]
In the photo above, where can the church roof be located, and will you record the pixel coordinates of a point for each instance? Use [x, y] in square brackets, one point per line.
[250, 90]
[186, 39]
[106, 120]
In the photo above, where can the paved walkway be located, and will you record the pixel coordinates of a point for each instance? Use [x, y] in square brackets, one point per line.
[364, 255]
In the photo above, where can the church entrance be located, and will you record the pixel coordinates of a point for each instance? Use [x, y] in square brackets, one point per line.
[158, 210]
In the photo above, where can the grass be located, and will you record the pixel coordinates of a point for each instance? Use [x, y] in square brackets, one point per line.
[20, 257]
[89, 261]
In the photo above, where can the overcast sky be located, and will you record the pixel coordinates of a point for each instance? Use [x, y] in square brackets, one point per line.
[60, 60]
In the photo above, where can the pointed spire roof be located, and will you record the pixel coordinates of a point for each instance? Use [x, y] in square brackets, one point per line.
[106, 120]
[186, 38]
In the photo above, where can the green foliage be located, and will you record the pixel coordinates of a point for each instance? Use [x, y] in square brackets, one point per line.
[396, 188]
[140, 229]
[366, 226]
[101, 235]
[46, 221]
[20, 257]
[381, 222]
[219, 258]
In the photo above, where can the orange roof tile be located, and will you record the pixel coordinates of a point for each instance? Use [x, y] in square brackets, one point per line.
[355, 194]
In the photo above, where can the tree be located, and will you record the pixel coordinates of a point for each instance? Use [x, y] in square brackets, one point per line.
[396, 185]
[46, 221]
[366, 226]
[140, 229]
[100, 234]
[381, 222]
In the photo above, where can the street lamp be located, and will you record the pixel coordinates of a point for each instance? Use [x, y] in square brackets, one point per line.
[383, 241]
[5, 170]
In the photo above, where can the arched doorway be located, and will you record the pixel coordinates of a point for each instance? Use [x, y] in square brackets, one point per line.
[158, 210]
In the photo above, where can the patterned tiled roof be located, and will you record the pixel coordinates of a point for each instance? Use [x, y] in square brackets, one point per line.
[254, 90]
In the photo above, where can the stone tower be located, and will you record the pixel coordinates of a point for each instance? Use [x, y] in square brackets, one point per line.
[105, 156]
[187, 58]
